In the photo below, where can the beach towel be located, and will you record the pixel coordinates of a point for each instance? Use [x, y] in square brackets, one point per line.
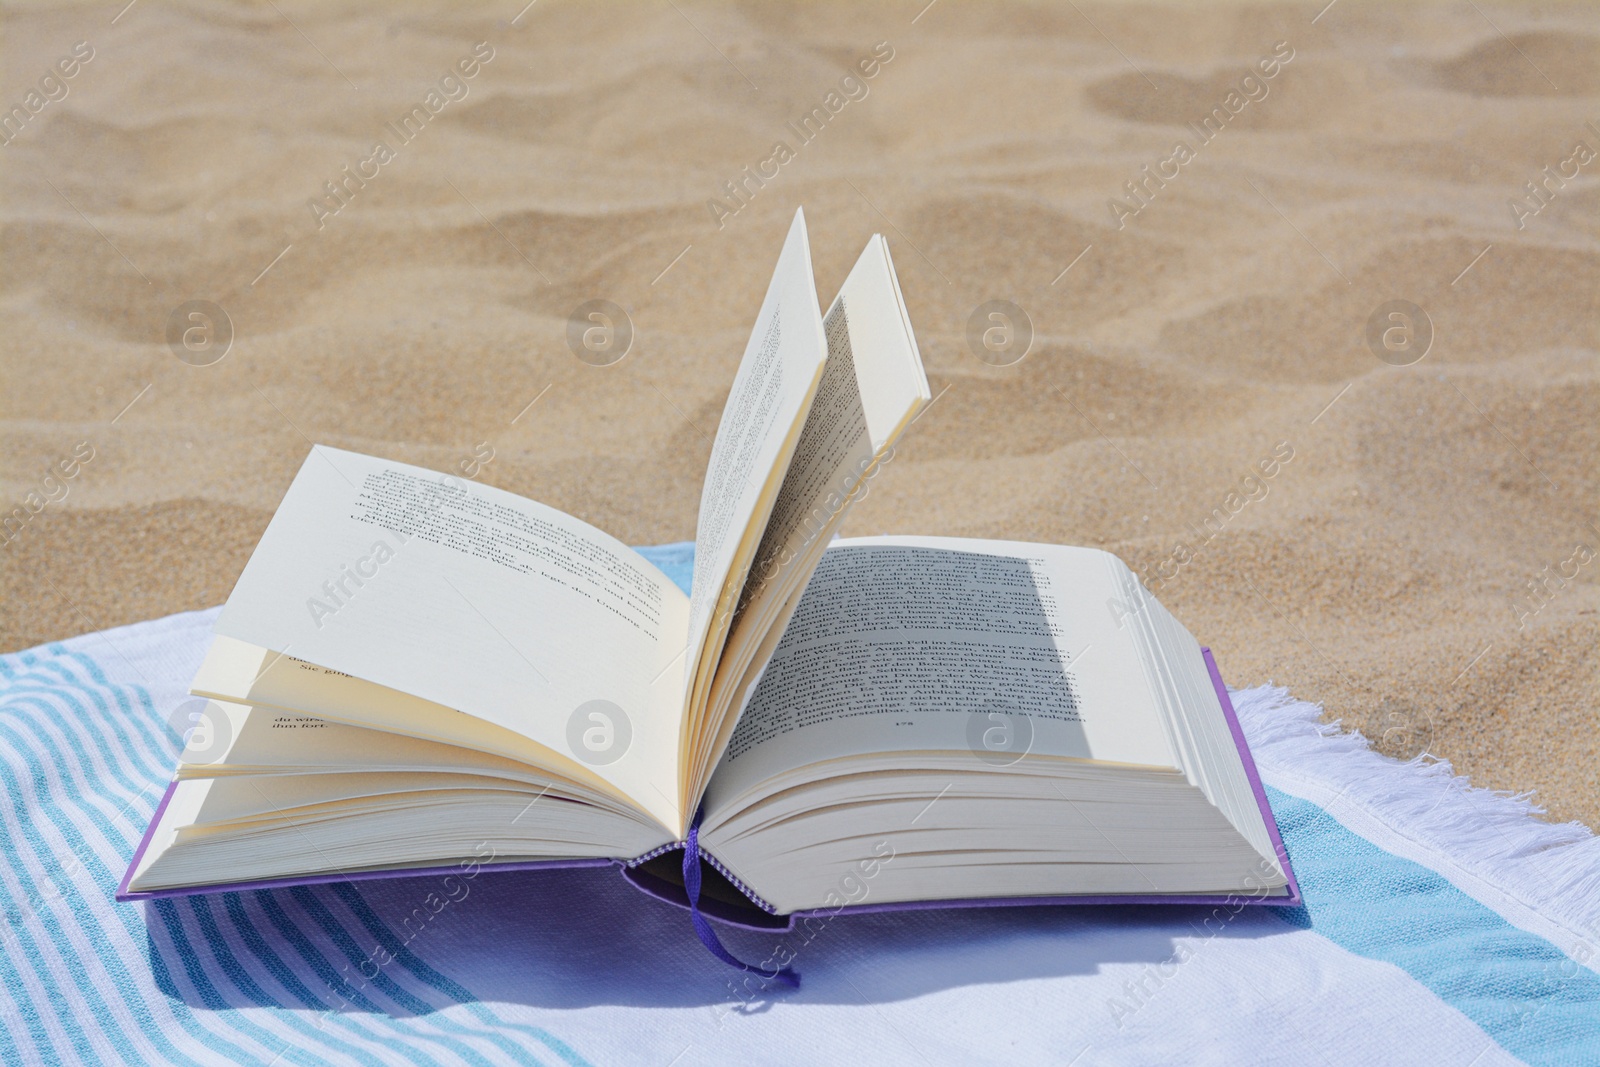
[1442, 924]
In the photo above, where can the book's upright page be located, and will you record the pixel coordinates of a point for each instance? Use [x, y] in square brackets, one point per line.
[872, 389]
[478, 600]
[761, 423]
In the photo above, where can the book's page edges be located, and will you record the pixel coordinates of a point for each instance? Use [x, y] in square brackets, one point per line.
[760, 915]
[1292, 899]
[331, 877]
[123, 893]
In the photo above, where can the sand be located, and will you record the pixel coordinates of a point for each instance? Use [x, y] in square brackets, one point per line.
[1382, 571]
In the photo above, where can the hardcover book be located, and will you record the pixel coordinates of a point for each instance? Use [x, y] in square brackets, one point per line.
[416, 673]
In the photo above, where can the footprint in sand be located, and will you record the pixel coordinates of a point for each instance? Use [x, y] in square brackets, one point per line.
[1164, 98]
[1524, 64]
[1238, 94]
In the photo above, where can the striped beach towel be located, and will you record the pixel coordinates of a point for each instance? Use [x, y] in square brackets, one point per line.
[1442, 924]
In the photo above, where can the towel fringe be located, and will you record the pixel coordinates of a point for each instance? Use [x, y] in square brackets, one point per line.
[1551, 867]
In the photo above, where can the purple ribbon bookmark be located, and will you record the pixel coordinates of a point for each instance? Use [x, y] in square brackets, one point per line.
[702, 925]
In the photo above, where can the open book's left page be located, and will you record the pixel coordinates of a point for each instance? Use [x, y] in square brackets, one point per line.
[483, 602]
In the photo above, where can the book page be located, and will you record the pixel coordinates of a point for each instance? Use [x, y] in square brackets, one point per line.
[830, 464]
[478, 600]
[946, 645]
[260, 740]
[760, 424]
[873, 386]
[236, 673]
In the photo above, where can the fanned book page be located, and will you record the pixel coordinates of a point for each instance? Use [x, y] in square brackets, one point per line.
[756, 439]
[474, 599]
[861, 407]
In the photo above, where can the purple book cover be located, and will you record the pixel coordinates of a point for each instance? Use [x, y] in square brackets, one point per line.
[759, 915]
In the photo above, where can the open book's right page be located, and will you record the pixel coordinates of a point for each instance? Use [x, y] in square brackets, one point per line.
[922, 645]
[871, 665]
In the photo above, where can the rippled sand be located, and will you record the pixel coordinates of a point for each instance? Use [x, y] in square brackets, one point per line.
[1383, 570]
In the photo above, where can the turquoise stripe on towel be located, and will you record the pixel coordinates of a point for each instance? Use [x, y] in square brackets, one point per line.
[1520, 989]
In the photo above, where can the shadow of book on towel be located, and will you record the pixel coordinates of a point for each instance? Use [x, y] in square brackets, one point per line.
[582, 938]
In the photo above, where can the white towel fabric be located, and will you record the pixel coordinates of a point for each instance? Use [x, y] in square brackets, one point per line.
[1442, 925]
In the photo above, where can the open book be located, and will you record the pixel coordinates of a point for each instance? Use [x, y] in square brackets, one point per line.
[416, 672]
